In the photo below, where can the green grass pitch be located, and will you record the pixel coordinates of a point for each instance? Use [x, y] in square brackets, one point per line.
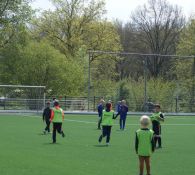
[25, 151]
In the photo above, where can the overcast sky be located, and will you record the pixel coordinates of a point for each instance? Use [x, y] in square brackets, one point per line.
[122, 9]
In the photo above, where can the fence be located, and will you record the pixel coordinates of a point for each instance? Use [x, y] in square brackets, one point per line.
[81, 104]
[142, 79]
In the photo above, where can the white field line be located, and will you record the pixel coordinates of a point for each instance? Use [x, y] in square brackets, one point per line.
[90, 122]
[129, 124]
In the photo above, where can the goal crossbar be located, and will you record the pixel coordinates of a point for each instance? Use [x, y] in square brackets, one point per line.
[22, 86]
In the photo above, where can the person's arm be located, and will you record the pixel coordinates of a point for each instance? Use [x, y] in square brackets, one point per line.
[62, 115]
[52, 116]
[161, 117]
[113, 117]
[136, 142]
[44, 114]
[118, 113]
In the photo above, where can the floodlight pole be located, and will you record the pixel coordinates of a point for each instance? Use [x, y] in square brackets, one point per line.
[145, 84]
[89, 80]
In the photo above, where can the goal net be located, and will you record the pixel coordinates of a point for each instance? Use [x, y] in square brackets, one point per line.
[15, 98]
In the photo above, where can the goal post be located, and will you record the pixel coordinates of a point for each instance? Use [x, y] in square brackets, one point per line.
[143, 79]
[22, 98]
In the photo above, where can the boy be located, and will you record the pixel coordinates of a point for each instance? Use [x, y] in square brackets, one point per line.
[123, 114]
[156, 118]
[144, 144]
[100, 108]
[57, 117]
[46, 118]
[107, 122]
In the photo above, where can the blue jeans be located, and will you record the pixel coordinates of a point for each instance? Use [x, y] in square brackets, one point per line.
[122, 122]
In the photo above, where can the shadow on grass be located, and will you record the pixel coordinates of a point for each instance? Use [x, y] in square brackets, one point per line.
[50, 143]
[100, 146]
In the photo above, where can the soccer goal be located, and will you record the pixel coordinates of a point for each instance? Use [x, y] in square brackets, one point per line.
[22, 98]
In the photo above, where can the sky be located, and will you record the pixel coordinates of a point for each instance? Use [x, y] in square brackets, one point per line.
[122, 9]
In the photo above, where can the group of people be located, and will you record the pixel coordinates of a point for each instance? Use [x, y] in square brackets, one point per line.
[146, 139]
[53, 115]
[122, 110]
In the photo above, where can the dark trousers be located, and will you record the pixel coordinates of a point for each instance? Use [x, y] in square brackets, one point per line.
[157, 134]
[122, 122]
[106, 131]
[57, 127]
[99, 122]
[47, 128]
[157, 139]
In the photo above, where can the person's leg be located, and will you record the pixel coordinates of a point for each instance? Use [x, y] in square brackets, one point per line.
[103, 133]
[147, 161]
[124, 121]
[99, 122]
[159, 142]
[156, 133]
[54, 132]
[121, 124]
[159, 138]
[108, 134]
[155, 140]
[59, 129]
[47, 126]
[141, 165]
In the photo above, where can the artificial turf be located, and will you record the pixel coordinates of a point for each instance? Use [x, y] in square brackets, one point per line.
[24, 150]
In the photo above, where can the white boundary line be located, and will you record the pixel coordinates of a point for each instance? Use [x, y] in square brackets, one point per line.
[91, 122]
[88, 122]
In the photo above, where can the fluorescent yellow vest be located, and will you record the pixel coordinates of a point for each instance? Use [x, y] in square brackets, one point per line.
[107, 118]
[58, 113]
[144, 142]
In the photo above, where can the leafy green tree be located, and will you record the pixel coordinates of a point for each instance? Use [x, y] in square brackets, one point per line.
[66, 26]
[38, 63]
[13, 15]
[185, 68]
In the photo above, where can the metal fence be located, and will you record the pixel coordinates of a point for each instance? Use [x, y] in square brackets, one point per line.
[82, 104]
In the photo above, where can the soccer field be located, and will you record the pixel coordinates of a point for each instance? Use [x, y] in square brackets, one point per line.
[26, 151]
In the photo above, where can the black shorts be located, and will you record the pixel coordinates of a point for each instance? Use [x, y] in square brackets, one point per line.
[156, 128]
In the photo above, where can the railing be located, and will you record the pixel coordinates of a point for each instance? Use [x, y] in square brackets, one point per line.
[81, 104]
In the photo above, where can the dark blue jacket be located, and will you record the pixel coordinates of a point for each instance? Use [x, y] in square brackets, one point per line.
[123, 111]
[100, 109]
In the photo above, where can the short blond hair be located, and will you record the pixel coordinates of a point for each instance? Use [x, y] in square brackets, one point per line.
[145, 121]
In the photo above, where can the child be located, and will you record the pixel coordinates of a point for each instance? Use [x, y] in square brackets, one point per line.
[46, 118]
[156, 117]
[57, 117]
[123, 114]
[100, 112]
[144, 144]
[107, 122]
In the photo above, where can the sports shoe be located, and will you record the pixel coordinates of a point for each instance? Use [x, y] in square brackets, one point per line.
[63, 135]
[100, 139]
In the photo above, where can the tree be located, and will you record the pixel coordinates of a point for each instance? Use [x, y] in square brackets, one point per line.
[38, 63]
[13, 15]
[158, 26]
[68, 24]
[185, 69]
